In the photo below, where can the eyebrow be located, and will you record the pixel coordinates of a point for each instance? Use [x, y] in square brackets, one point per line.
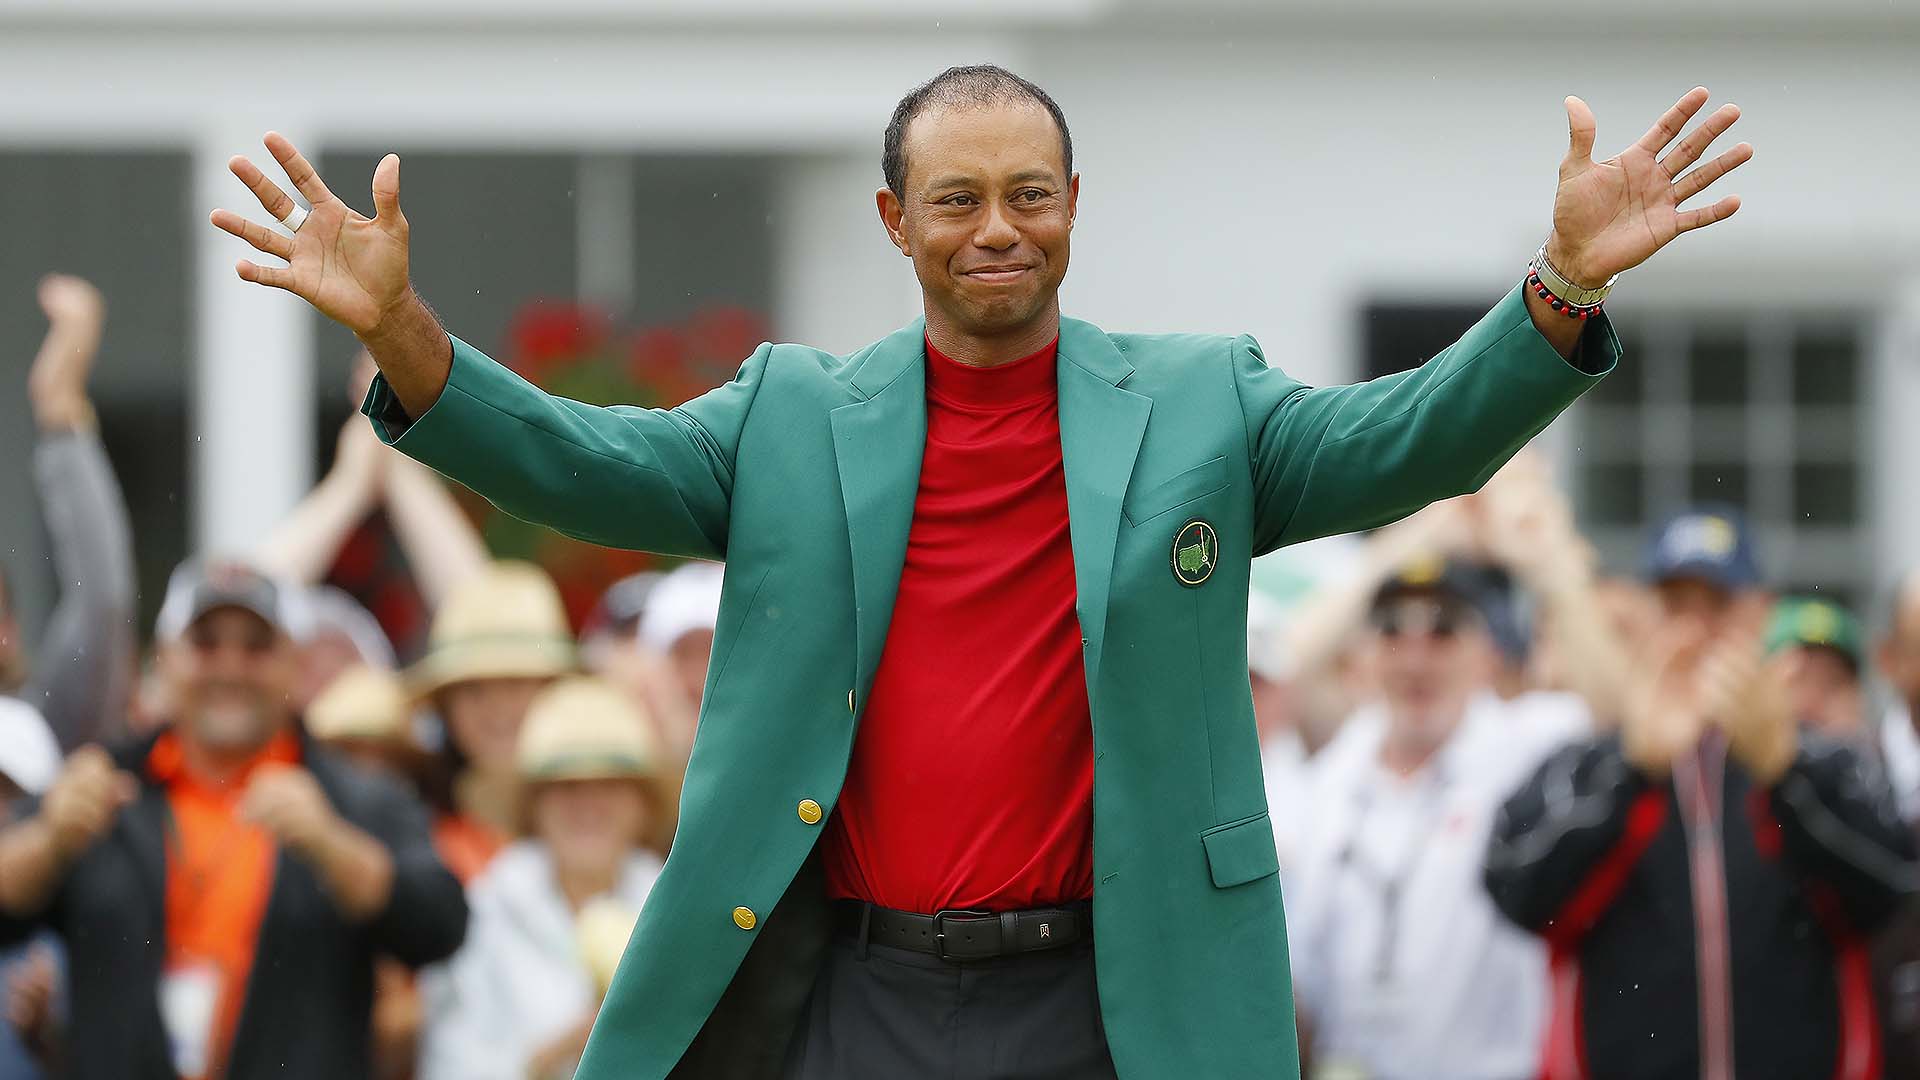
[965, 180]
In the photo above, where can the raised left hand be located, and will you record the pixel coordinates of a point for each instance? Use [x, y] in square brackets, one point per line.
[287, 801]
[1611, 215]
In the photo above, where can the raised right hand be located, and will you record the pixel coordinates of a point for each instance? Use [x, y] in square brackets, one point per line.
[350, 267]
[85, 798]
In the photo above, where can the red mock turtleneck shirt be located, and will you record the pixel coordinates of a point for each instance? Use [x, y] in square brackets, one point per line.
[971, 784]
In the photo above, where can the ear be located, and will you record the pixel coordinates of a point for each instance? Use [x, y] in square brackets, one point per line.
[1073, 199]
[894, 217]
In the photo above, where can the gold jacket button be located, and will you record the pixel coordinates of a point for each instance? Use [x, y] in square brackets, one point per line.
[743, 918]
[809, 811]
[850, 707]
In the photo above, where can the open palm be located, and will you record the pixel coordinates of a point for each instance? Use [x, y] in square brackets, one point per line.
[1609, 216]
[351, 267]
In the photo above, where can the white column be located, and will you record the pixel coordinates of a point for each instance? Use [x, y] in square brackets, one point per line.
[1893, 508]
[252, 422]
[838, 283]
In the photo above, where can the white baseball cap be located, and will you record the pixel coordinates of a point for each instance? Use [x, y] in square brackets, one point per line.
[29, 756]
[686, 600]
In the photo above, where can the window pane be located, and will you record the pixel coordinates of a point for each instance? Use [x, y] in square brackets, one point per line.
[1718, 372]
[1825, 494]
[1718, 483]
[1613, 495]
[1826, 370]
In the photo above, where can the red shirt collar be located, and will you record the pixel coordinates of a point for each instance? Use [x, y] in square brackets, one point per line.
[1029, 378]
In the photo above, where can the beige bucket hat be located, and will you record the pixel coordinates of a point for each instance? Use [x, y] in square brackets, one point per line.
[584, 728]
[506, 623]
[362, 703]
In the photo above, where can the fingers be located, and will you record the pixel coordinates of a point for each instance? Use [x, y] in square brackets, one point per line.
[386, 188]
[275, 243]
[306, 181]
[1668, 126]
[275, 277]
[1699, 139]
[1580, 130]
[1701, 178]
[1689, 220]
[272, 199]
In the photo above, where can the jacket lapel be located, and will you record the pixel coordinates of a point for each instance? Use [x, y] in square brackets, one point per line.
[1101, 426]
[877, 444]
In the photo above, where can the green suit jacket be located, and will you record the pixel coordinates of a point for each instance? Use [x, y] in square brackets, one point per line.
[801, 475]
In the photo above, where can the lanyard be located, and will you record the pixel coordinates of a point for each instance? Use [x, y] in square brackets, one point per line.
[1389, 883]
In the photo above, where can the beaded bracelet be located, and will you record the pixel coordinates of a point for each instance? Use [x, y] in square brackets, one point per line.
[1567, 308]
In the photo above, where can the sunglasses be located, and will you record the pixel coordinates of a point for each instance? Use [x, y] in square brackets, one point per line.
[1437, 619]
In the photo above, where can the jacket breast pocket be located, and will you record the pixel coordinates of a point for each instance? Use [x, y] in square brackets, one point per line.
[1241, 851]
[1182, 488]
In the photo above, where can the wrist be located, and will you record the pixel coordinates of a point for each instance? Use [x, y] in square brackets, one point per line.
[1572, 265]
[405, 319]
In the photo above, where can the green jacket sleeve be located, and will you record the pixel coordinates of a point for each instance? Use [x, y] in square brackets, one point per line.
[649, 479]
[1343, 458]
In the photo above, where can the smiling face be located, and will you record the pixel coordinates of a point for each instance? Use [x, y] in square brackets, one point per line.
[231, 677]
[986, 218]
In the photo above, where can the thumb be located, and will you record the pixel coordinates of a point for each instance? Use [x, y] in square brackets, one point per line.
[1580, 132]
[126, 789]
[386, 188]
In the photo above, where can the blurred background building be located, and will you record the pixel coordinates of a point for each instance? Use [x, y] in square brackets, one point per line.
[1351, 182]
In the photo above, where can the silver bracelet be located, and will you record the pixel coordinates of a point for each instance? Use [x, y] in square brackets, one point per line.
[1569, 293]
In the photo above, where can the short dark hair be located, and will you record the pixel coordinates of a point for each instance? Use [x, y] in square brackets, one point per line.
[974, 84]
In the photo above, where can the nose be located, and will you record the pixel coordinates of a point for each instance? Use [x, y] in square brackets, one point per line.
[996, 232]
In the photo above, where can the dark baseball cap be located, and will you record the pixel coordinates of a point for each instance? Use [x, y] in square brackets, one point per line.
[1712, 544]
[199, 587]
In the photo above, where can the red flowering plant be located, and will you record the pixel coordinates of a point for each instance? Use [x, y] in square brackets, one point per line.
[579, 351]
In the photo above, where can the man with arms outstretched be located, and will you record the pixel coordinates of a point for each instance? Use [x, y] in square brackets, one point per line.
[979, 702]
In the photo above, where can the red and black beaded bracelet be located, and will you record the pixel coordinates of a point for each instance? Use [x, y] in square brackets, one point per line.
[1570, 310]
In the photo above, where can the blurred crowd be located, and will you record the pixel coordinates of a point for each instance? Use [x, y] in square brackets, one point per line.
[1533, 819]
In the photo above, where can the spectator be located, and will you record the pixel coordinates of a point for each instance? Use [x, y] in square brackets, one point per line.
[1403, 969]
[1898, 658]
[1823, 650]
[29, 760]
[613, 625]
[85, 674]
[365, 717]
[496, 642]
[1704, 569]
[225, 861]
[679, 621]
[1704, 879]
[519, 998]
[341, 634]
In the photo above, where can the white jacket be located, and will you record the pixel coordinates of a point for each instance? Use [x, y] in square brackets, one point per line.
[519, 981]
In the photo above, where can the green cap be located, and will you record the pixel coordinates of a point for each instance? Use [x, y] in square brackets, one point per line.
[1800, 620]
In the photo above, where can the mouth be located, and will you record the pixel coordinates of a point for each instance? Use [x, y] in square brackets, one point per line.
[998, 275]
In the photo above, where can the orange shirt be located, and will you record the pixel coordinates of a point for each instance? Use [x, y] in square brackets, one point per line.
[219, 875]
[466, 844]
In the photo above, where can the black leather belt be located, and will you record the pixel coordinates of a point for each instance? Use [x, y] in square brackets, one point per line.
[967, 935]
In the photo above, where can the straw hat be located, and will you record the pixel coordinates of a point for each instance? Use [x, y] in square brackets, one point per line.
[506, 623]
[361, 703]
[584, 728]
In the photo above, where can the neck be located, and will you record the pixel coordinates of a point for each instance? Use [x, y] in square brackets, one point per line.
[220, 764]
[490, 797]
[993, 350]
[1407, 749]
[580, 884]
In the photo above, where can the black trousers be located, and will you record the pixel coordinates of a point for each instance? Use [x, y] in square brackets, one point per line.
[892, 1014]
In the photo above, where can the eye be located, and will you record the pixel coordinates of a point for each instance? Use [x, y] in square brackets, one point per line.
[960, 200]
[1031, 195]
